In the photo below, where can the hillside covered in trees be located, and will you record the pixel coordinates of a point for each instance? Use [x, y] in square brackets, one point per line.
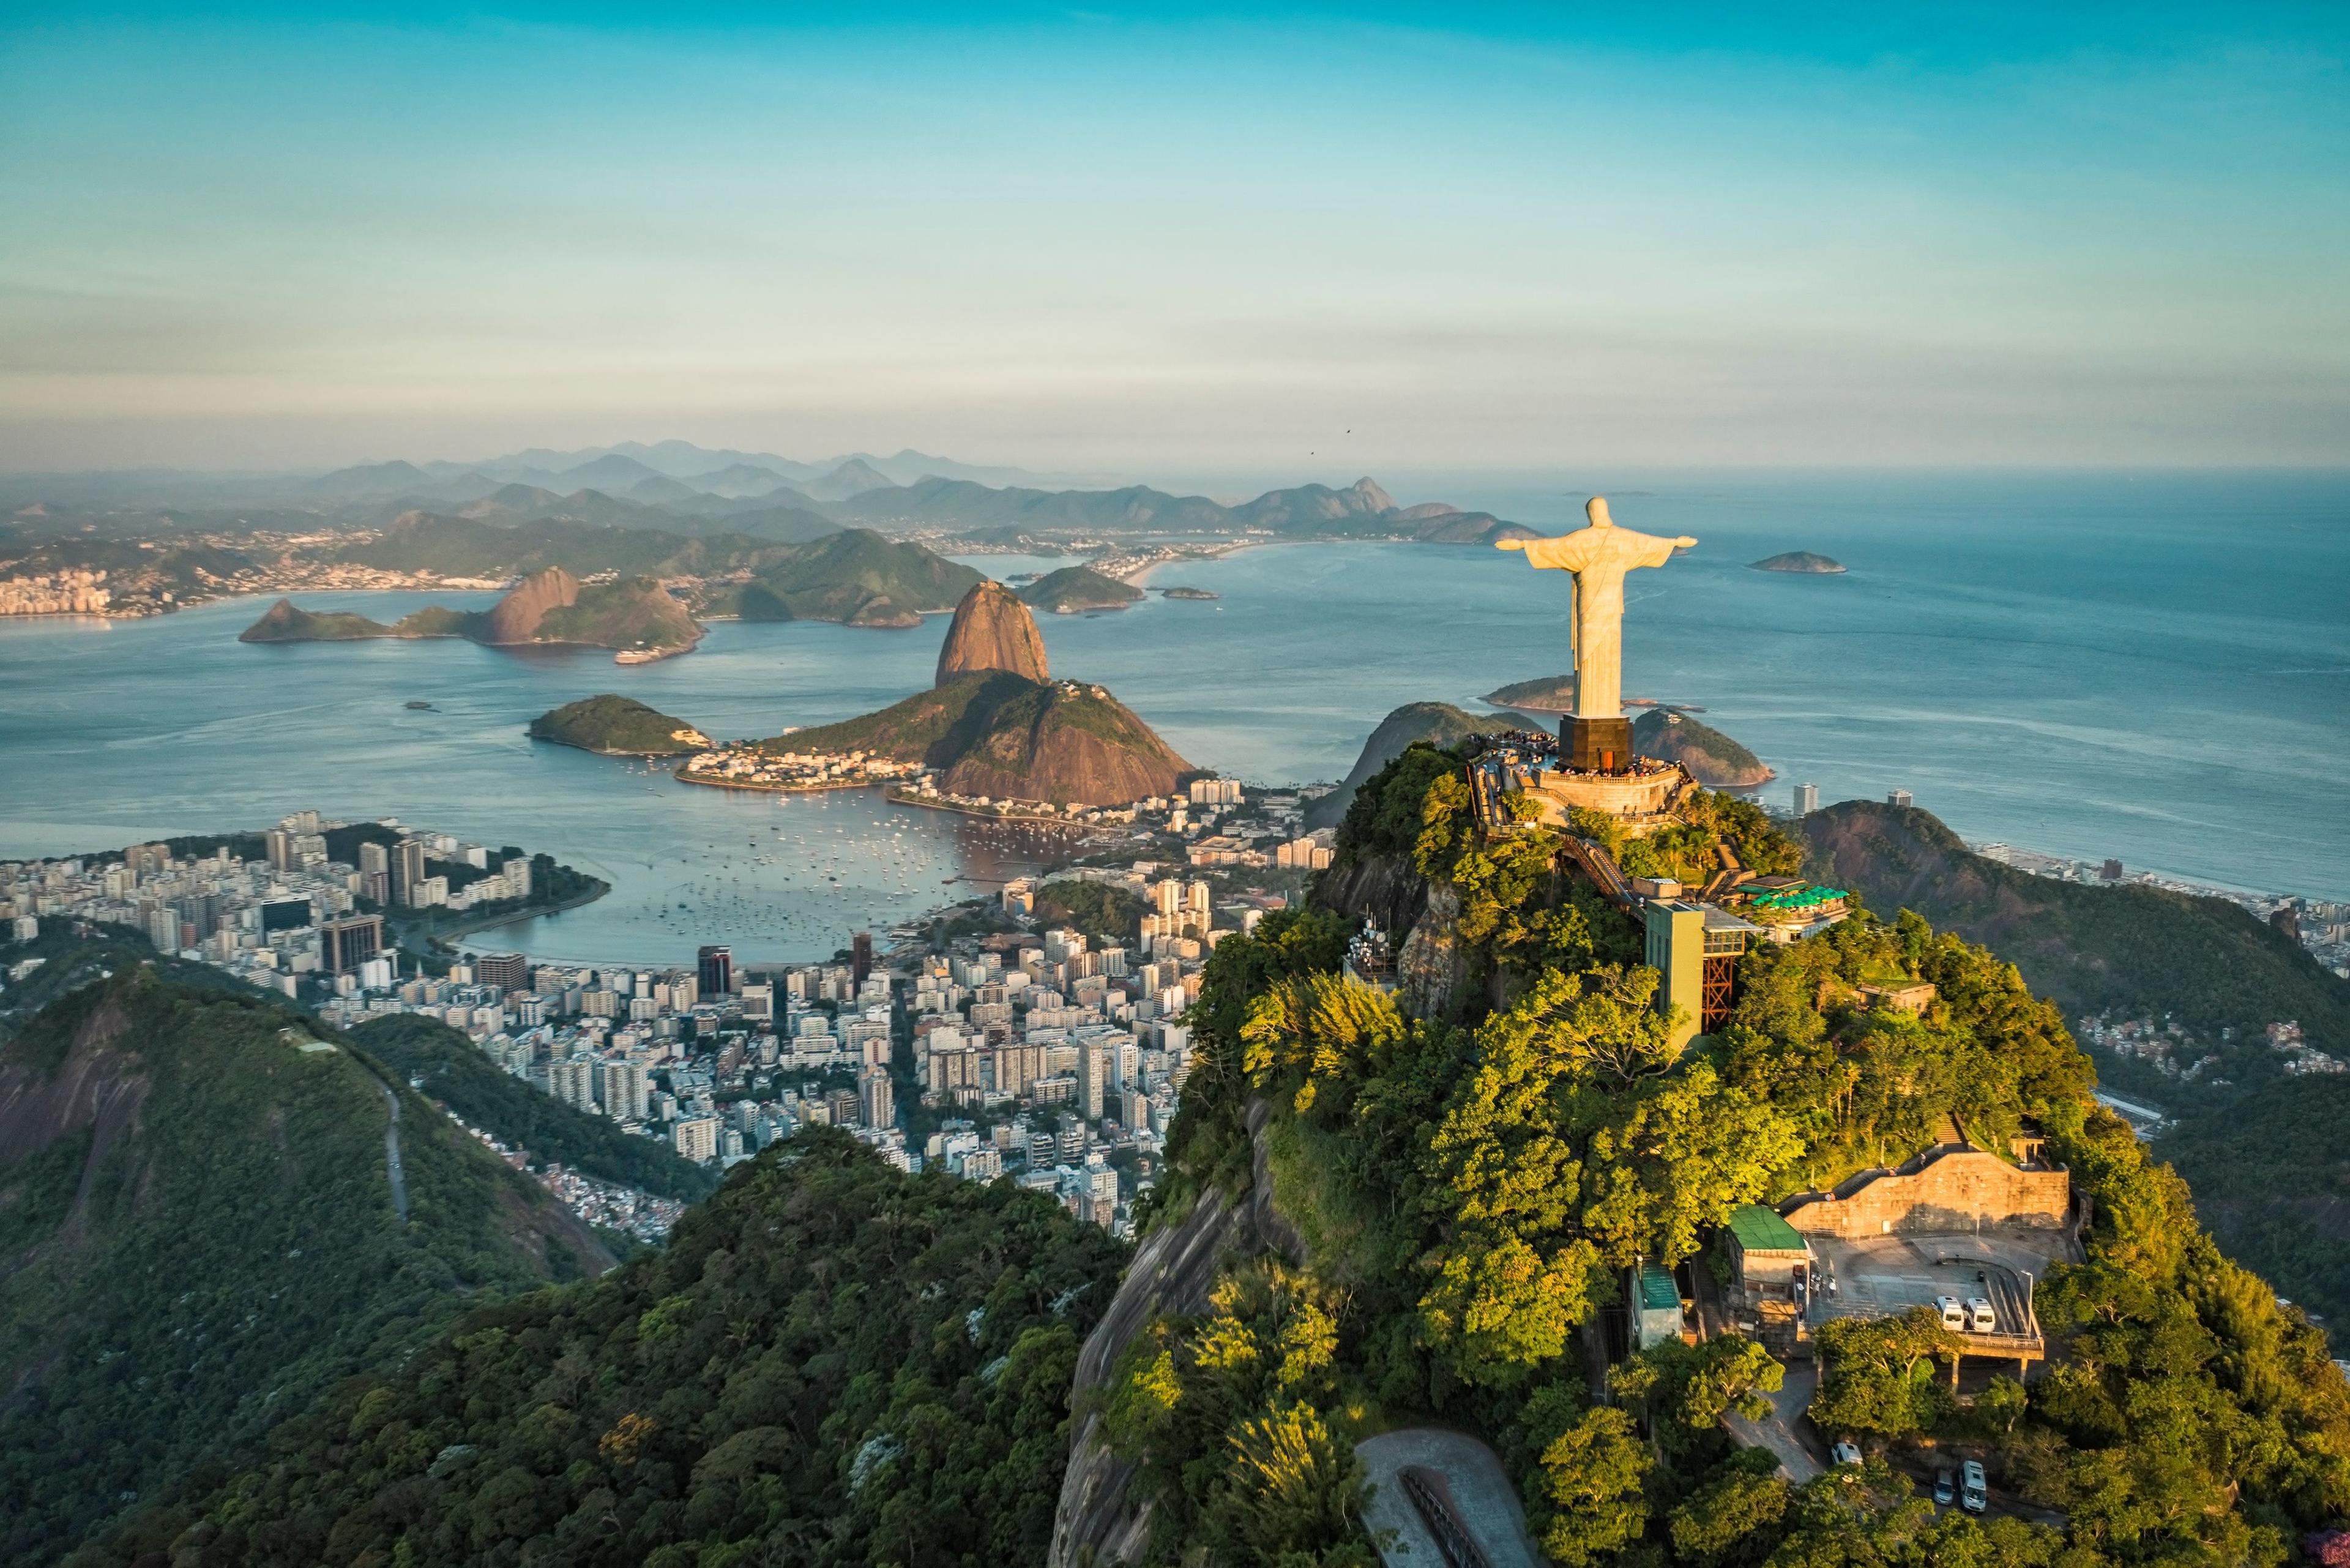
[199, 1236]
[1460, 1186]
[830, 1364]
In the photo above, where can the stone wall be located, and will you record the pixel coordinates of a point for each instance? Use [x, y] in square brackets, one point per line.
[1955, 1190]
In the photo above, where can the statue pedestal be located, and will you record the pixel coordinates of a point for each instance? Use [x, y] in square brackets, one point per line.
[1595, 745]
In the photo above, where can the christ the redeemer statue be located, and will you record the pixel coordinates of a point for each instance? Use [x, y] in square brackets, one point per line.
[1598, 736]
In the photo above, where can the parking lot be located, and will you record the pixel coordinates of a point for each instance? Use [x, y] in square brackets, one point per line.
[1884, 1276]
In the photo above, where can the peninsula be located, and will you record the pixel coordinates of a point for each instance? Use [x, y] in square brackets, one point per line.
[1799, 561]
[1545, 694]
[1712, 758]
[617, 726]
[993, 727]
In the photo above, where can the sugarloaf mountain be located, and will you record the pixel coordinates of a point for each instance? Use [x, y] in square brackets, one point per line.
[997, 725]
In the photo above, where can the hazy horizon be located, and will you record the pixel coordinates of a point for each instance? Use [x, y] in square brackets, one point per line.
[1157, 243]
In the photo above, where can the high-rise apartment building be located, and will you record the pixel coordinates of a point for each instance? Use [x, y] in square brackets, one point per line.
[281, 849]
[622, 1090]
[345, 943]
[1807, 799]
[716, 972]
[508, 972]
[407, 871]
[697, 1138]
[1093, 1073]
[876, 1105]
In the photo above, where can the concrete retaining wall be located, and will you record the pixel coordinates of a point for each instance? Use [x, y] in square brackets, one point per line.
[1955, 1191]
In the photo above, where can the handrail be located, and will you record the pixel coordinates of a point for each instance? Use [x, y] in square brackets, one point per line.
[1453, 1542]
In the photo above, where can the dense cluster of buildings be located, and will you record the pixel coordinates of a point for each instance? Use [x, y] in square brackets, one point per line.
[292, 914]
[2175, 1051]
[752, 767]
[55, 593]
[1043, 1056]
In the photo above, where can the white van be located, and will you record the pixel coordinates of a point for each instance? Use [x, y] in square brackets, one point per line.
[1973, 1495]
[1980, 1318]
[1954, 1316]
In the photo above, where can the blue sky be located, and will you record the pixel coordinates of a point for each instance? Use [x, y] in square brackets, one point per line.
[1179, 245]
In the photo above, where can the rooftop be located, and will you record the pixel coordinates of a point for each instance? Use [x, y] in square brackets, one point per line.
[1761, 1229]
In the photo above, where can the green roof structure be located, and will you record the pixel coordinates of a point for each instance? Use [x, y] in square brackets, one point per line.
[1761, 1230]
[1657, 1290]
[1797, 899]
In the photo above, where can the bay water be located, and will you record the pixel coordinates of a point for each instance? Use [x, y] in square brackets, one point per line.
[2155, 668]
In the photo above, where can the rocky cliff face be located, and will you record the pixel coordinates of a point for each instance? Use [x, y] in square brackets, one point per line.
[516, 617]
[992, 630]
[1095, 1523]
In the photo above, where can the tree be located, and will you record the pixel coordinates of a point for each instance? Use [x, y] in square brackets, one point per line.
[1733, 1517]
[1586, 1494]
[1869, 1382]
[1689, 1151]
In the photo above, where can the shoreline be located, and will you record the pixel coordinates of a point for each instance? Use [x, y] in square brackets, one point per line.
[933, 804]
[687, 775]
[454, 939]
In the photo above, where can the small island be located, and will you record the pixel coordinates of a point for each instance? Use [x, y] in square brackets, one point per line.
[615, 726]
[1800, 561]
[1187, 594]
[1075, 589]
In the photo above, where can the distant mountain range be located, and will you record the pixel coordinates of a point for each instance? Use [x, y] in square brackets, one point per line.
[675, 487]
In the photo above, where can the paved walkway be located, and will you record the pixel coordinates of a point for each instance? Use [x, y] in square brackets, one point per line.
[1783, 1431]
[1481, 1496]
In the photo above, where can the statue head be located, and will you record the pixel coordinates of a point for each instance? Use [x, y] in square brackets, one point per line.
[1596, 510]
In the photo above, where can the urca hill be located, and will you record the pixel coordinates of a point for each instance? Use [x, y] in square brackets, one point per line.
[997, 725]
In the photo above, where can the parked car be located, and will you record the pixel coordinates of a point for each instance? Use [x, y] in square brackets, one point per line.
[1945, 1488]
[1954, 1316]
[1847, 1452]
[1975, 1493]
[1980, 1317]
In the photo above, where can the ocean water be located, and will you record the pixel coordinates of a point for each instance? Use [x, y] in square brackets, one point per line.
[2157, 671]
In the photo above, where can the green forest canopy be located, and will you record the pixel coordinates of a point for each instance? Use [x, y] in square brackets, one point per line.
[1472, 1185]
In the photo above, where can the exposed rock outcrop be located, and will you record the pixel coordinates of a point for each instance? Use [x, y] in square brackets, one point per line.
[992, 630]
[516, 617]
[1439, 723]
[1096, 1524]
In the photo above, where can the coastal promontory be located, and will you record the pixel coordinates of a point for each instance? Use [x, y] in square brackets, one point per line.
[617, 726]
[1801, 562]
[1545, 694]
[1712, 758]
